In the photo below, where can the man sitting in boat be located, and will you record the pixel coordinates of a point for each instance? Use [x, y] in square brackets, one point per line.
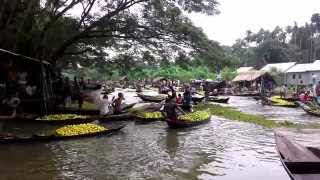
[171, 108]
[116, 104]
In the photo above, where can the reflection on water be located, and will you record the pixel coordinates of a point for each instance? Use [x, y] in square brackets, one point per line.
[221, 149]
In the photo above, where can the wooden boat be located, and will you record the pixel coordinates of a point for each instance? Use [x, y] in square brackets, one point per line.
[253, 93]
[141, 120]
[308, 109]
[116, 117]
[300, 162]
[148, 98]
[218, 99]
[287, 105]
[291, 99]
[197, 98]
[128, 106]
[8, 138]
[32, 118]
[65, 122]
[274, 101]
[184, 124]
[78, 111]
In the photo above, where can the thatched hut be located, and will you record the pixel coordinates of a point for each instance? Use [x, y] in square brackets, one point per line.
[253, 79]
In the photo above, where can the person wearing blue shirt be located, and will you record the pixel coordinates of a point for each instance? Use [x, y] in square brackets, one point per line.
[187, 99]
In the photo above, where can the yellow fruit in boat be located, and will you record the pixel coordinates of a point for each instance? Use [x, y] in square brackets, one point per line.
[149, 115]
[195, 116]
[80, 129]
[61, 117]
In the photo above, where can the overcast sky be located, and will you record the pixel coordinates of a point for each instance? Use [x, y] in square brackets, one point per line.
[238, 16]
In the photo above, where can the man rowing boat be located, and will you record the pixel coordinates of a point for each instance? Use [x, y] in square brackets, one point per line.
[171, 110]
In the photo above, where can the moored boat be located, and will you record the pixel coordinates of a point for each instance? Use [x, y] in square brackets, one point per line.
[248, 93]
[116, 117]
[196, 98]
[78, 111]
[312, 110]
[218, 99]
[277, 101]
[148, 98]
[300, 162]
[9, 138]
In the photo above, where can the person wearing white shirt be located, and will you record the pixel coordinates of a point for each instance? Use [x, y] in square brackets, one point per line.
[105, 105]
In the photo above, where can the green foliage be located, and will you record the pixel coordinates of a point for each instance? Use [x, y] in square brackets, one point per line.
[50, 30]
[294, 43]
[228, 73]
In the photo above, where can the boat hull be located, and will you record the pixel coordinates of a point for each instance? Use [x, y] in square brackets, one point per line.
[183, 124]
[300, 162]
[35, 138]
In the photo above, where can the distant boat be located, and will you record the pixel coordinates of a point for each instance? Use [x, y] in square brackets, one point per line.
[218, 99]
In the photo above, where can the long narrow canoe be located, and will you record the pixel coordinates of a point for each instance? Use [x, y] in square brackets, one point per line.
[184, 124]
[65, 121]
[308, 109]
[247, 94]
[116, 117]
[277, 101]
[300, 162]
[148, 98]
[218, 99]
[196, 98]
[5, 138]
[78, 111]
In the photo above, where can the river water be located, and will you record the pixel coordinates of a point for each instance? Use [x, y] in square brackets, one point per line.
[221, 150]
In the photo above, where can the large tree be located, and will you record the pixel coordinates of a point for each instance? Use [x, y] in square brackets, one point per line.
[91, 29]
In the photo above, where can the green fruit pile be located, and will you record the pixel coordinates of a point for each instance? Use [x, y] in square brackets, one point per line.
[54, 117]
[74, 130]
[276, 100]
[149, 115]
[195, 116]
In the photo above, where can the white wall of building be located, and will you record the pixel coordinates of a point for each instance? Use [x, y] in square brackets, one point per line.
[302, 78]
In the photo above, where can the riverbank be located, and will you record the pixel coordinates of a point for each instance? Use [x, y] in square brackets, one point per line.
[236, 115]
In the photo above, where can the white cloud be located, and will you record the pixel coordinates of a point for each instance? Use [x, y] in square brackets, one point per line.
[238, 16]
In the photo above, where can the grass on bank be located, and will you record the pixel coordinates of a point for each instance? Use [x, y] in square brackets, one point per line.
[233, 114]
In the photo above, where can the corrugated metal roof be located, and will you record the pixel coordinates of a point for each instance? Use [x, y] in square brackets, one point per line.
[281, 67]
[300, 68]
[315, 66]
[249, 75]
[244, 69]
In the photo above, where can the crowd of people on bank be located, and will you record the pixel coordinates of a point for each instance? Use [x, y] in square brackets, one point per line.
[302, 94]
[16, 83]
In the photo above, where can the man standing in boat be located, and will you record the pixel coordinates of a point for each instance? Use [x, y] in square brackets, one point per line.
[171, 109]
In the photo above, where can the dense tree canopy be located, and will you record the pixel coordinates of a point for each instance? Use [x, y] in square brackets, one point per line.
[89, 29]
[293, 43]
